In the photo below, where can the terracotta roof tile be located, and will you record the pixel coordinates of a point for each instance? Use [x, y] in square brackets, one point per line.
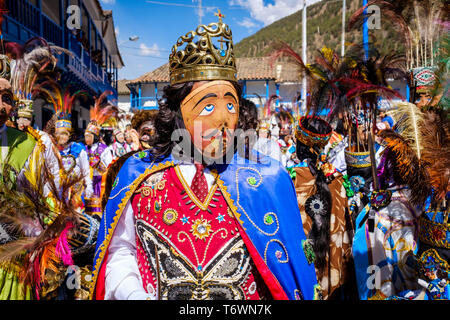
[258, 68]
[122, 87]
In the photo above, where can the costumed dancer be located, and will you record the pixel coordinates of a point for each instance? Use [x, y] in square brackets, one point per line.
[430, 136]
[434, 246]
[400, 235]
[265, 145]
[173, 227]
[117, 149]
[387, 213]
[35, 219]
[74, 157]
[143, 127]
[323, 204]
[386, 181]
[33, 61]
[94, 147]
[75, 168]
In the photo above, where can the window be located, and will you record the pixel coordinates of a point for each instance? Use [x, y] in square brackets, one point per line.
[51, 9]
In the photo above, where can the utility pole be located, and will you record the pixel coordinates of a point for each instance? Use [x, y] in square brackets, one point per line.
[365, 32]
[304, 57]
[343, 28]
[200, 12]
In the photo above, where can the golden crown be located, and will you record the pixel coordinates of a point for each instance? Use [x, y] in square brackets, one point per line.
[204, 54]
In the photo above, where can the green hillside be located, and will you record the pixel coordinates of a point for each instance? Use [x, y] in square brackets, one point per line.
[324, 28]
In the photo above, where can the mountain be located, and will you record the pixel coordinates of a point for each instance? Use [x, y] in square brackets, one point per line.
[324, 28]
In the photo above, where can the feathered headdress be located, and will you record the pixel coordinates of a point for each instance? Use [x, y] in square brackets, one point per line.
[41, 225]
[435, 138]
[32, 60]
[323, 77]
[62, 100]
[425, 136]
[267, 109]
[100, 114]
[419, 24]
[409, 123]
[400, 163]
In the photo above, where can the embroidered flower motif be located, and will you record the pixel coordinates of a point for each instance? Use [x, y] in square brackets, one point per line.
[438, 234]
[170, 216]
[184, 220]
[251, 181]
[356, 183]
[278, 254]
[268, 220]
[201, 229]
[142, 154]
[220, 218]
[316, 205]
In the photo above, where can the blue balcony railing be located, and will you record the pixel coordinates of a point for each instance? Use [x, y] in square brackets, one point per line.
[24, 21]
[25, 13]
[51, 31]
[144, 103]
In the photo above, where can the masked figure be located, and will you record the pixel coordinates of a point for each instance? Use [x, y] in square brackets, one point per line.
[265, 145]
[323, 204]
[94, 147]
[117, 149]
[143, 127]
[193, 219]
[35, 220]
[386, 238]
[73, 154]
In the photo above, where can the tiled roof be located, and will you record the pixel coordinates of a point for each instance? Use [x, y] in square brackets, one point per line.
[158, 75]
[255, 69]
[248, 69]
[122, 87]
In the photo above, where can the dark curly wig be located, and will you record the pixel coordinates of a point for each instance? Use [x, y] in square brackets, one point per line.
[168, 119]
[143, 116]
[320, 231]
[169, 116]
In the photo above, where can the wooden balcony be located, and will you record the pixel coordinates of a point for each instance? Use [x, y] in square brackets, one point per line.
[25, 21]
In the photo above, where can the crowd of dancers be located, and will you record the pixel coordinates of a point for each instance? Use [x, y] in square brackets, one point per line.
[344, 201]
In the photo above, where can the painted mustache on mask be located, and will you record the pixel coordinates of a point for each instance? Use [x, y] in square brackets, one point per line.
[217, 132]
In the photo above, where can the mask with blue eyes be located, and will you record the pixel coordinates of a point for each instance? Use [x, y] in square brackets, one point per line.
[208, 109]
[211, 109]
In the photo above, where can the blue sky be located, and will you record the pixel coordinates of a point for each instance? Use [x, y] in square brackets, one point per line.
[158, 24]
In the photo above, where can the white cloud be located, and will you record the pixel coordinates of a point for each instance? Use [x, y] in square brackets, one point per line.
[117, 31]
[270, 13]
[247, 23]
[108, 1]
[149, 51]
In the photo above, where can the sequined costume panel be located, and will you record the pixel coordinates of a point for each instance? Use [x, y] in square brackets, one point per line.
[339, 258]
[187, 249]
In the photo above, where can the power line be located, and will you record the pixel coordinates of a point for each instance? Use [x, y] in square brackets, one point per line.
[145, 56]
[191, 5]
[137, 48]
[177, 4]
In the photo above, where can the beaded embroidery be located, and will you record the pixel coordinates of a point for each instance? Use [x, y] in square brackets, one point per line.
[220, 279]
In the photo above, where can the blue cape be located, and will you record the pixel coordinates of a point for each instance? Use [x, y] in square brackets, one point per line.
[263, 198]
